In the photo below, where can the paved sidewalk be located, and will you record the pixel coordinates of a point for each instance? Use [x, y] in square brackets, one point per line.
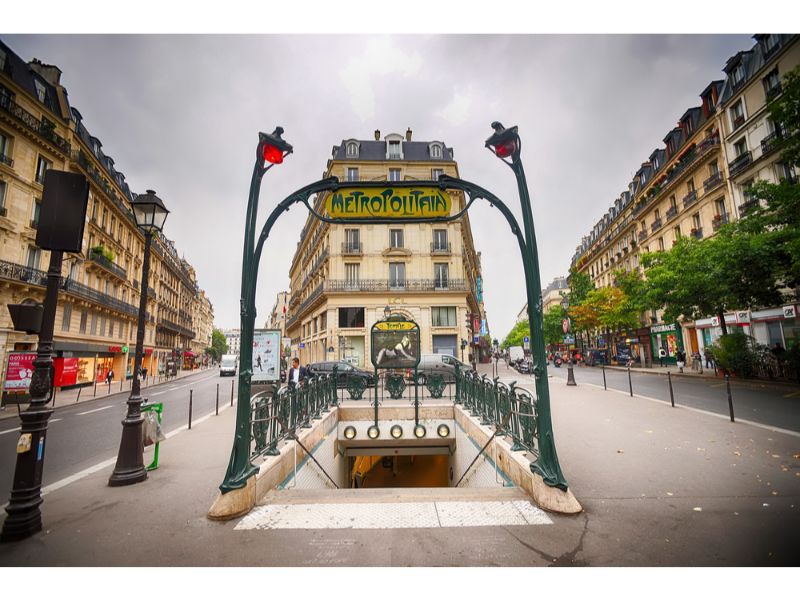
[103, 390]
[659, 486]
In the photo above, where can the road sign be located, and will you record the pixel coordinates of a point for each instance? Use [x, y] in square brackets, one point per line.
[565, 325]
[476, 339]
[526, 339]
[569, 339]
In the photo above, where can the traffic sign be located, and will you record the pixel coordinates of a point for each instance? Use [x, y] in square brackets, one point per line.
[526, 339]
[565, 325]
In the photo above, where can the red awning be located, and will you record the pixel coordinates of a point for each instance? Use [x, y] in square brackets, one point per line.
[188, 353]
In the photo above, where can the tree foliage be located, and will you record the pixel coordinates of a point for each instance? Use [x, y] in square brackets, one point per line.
[553, 329]
[516, 335]
[785, 109]
[219, 345]
[580, 284]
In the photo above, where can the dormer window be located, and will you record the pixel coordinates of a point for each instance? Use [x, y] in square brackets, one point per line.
[770, 43]
[687, 126]
[41, 92]
[435, 150]
[737, 75]
[394, 149]
[352, 149]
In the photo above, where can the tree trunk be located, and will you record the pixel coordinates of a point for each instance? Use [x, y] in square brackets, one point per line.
[721, 317]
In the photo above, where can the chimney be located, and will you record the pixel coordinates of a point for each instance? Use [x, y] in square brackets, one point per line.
[377, 135]
[408, 134]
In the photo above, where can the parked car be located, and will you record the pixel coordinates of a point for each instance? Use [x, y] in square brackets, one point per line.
[344, 372]
[596, 356]
[524, 366]
[443, 364]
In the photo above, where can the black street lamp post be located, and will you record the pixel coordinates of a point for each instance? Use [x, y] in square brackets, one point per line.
[570, 373]
[150, 214]
[506, 144]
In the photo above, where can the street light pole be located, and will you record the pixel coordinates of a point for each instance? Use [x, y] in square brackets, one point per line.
[150, 214]
[506, 143]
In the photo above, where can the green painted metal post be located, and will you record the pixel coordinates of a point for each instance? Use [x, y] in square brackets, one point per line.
[506, 143]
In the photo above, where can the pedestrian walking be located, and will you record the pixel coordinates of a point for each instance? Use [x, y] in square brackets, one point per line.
[144, 374]
[109, 376]
[296, 373]
[709, 358]
[662, 354]
[680, 356]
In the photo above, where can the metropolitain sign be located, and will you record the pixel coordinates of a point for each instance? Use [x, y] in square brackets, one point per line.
[391, 203]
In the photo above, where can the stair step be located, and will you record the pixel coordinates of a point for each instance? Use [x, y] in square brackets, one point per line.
[393, 495]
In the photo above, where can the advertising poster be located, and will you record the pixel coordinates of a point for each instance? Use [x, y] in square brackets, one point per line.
[395, 345]
[266, 355]
[85, 372]
[66, 371]
[19, 370]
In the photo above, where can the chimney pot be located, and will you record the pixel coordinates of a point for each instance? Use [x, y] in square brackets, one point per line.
[377, 135]
[408, 134]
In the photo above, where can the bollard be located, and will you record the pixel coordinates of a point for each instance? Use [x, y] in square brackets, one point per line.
[605, 387]
[671, 395]
[121, 381]
[630, 384]
[570, 376]
[730, 399]
[190, 409]
[94, 395]
[78, 397]
[217, 399]
[231, 393]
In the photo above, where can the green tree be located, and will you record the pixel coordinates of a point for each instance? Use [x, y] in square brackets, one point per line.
[219, 345]
[580, 284]
[785, 109]
[553, 330]
[516, 335]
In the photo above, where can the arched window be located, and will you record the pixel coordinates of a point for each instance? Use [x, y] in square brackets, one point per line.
[352, 149]
[436, 151]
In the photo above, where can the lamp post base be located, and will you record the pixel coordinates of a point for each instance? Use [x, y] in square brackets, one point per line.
[570, 376]
[130, 462]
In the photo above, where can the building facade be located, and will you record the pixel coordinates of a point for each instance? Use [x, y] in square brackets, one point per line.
[552, 295]
[95, 328]
[691, 187]
[232, 338]
[277, 316]
[343, 276]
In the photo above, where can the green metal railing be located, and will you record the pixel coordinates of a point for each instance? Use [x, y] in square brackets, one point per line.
[509, 409]
[276, 414]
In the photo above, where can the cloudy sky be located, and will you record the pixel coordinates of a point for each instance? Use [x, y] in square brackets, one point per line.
[180, 115]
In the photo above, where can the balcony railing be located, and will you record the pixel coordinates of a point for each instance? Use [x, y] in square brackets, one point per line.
[740, 162]
[108, 265]
[769, 143]
[773, 91]
[747, 206]
[179, 329]
[406, 285]
[690, 199]
[351, 248]
[672, 211]
[6, 160]
[151, 292]
[32, 123]
[719, 220]
[441, 248]
[697, 233]
[15, 272]
[297, 313]
[78, 289]
[656, 225]
[642, 236]
[712, 182]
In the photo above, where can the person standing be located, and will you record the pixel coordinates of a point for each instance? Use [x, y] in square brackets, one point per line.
[680, 357]
[709, 358]
[296, 373]
[662, 354]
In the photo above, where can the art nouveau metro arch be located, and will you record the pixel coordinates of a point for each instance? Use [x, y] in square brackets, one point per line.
[386, 202]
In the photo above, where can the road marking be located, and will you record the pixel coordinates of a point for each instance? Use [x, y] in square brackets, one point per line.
[9, 430]
[705, 412]
[792, 394]
[88, 412]
[394, 515]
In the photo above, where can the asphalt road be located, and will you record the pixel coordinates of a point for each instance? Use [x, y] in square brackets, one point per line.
[82, 435]
[777, 405]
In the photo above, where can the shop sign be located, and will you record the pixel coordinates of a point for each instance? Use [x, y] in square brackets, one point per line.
[19, 370]
[743, 316]
[66, 371]
[115, 348]
[390, 202]
[790, 312]
[662, 328]
[395, 326]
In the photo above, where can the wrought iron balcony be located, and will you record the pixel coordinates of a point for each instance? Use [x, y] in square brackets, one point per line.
[656, 225]
[174, 327]
[747, 206]
[642, 236]
[690, 199]
[14, 272]
[672, 211]
[769, 143]
[32, 123]
[352, 248]
[441, 248]
[108, 265]
[719, 220]
[712, 182]
[403, 285]
[6, 160]
[740, 162]
[697, 233]
[78, 289]
[151, 292]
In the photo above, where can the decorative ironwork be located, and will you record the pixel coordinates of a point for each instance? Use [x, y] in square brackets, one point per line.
[385, 285]
[32, 123]
[395, 385]
[740, 163]
[435, 384]
[690, 199]
[356, 386]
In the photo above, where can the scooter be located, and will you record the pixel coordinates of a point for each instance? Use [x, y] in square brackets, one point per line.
[557, 362]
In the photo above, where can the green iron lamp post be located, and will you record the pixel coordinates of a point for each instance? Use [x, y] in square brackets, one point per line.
[506, 145]
[271, 150]
[150, 214]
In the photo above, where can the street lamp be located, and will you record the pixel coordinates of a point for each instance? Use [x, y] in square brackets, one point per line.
[507, 146]
[150, 214]
[570, 373]
[387, 312]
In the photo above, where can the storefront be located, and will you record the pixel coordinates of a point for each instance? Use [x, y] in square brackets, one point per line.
[668, 337]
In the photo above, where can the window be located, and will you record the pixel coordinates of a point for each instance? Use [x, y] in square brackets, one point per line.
[770, 43]
[740, 147]
[35, 210]
[696, 221]
[351, 240]
[397, 275]
[673, 203]
[395, 238]
[41, 92]
[690, 185]
[34, 254]
[440, 240]
[41, 166]
[737, 76]
[661, 244]
[676, 233]
[657, 214]
[351, 317]
[93, 326]
[436, 151]
[688, 127]
[66, 317]
[351, 271]
[352, 149]
[737, 115]
[105, 219]
[440, 274]
[102, 326]
[713, 168]
[436, 173]
[3, 187]
[5, 150]
[2, 59]
[772, 83]
[352, 174]
[394, 149]
[443, 316]
[394, 174]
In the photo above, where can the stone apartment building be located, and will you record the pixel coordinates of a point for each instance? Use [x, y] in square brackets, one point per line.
[99, 298]
[343, 276]
[694, 185]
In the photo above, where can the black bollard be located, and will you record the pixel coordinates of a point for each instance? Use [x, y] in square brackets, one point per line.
[730, 399]
[630, 384]
[78, 397]
[217, 399]
[605, 387]
[570, 375]
[231, 393]
[671, 395]
[190, 409]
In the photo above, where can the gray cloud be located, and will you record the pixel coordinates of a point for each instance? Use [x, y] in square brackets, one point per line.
[180, 115]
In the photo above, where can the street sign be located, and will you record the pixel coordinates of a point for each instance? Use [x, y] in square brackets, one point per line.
[526, 339]
[476, 339]
[565, 325]
[569, 339]
[400, 202]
